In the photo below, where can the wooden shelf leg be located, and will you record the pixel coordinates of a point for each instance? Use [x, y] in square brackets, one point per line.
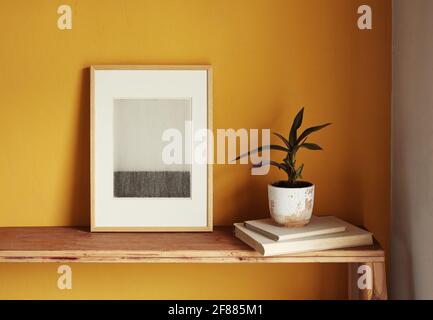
[376, 287]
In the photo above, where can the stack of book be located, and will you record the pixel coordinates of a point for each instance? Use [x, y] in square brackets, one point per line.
[322, 233]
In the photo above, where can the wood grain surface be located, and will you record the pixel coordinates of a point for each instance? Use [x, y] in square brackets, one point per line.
[75, 244]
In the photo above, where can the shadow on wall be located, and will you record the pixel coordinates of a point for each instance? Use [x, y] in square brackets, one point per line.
[79, 213]
[246, 206]
[79, 209]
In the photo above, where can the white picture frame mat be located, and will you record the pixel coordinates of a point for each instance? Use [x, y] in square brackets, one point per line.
[146, 212]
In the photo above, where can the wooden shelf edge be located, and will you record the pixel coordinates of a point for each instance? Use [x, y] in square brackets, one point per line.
[183, 257]
[204, 260]
[71, 244]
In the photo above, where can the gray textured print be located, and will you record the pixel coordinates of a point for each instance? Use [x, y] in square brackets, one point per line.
[152, 184]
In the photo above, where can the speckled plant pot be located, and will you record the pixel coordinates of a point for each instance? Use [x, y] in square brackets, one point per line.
[291, 207]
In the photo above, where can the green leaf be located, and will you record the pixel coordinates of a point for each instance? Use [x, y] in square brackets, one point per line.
[297, 122]
[310, 146]
[299, 171]
[283, 139]
[280, 166]
[259, 149]
[310, 131]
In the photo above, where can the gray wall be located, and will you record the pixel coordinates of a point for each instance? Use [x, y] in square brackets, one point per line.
[412, 151]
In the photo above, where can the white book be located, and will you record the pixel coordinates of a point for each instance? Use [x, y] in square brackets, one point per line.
[317, 226]
[352, 237]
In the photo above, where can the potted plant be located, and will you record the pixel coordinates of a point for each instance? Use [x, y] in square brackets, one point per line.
[291, 201]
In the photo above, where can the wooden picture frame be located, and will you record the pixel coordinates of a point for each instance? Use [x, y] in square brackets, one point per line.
[110, 84]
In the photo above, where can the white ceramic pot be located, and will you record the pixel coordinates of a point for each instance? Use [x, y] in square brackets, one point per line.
[291, 207]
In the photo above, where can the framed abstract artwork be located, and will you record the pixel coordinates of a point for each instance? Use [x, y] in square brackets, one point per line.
[149, 141]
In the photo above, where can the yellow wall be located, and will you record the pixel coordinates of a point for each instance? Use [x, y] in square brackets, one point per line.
[269, 58]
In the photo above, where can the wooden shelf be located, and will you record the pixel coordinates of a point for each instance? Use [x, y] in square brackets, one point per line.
[74, 244]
